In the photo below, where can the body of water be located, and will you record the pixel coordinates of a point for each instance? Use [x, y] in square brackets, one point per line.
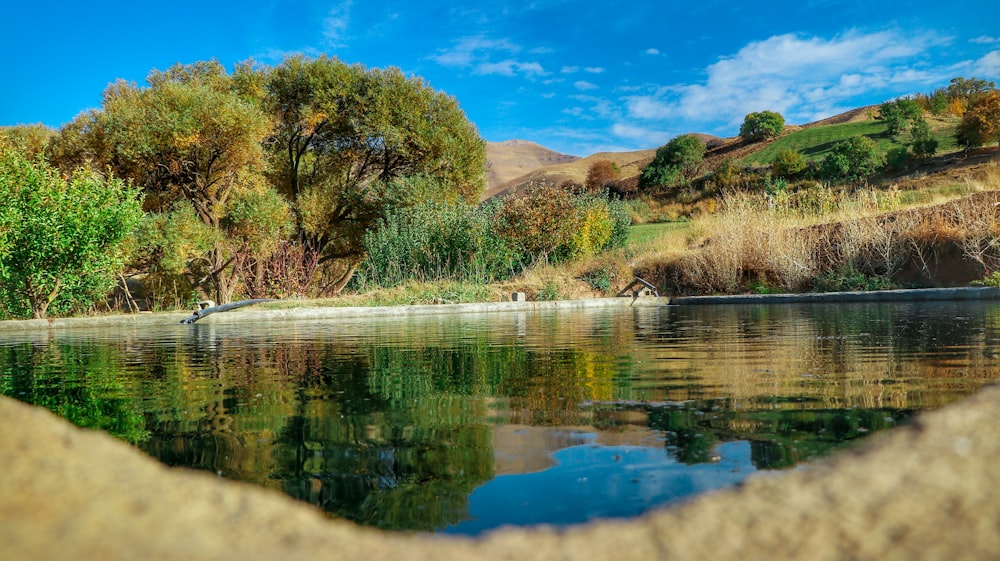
[464, 423]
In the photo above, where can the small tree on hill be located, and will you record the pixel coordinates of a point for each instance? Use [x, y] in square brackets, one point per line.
[901, 116]
[854, 159]
[602, 175]
[981, 122]
[761, 125]
[677, 159]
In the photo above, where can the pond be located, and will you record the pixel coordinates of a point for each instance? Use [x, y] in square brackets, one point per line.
[464, 423]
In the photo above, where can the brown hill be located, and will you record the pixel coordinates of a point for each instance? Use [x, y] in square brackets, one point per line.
[630, 164]
[513, 158]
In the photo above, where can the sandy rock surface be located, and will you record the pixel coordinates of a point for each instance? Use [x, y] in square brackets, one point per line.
[929, 490]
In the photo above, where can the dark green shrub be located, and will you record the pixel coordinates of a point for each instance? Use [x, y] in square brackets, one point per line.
[854, 159]
[789, 164]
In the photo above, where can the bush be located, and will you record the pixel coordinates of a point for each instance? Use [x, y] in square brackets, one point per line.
[789, 164]
[62, 241]
[854, 159]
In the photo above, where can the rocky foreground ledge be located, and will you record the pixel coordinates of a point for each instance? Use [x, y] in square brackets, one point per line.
[928, 490]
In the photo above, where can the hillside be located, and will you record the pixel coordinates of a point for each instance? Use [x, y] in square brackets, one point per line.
[513, 158]
[630, 164]
[813, 140]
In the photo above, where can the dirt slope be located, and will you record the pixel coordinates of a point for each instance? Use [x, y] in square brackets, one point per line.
[514, 158]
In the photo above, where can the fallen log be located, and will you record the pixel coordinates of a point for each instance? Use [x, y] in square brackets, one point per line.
[202, 312]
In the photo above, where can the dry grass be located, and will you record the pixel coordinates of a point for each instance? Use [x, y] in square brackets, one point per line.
[785, 244]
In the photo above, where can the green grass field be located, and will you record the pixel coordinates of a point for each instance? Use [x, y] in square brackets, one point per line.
[644, 233]
[815, 142]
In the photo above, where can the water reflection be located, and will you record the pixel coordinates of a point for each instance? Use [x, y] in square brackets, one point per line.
[462, 424]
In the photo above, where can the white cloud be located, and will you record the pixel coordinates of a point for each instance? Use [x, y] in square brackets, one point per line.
[335, 24]
[594, 70]
[988, 66]
[652, 51]
[570, 69]
[509, 68]
[986, 40]
[641, 135]
[792, 74]
[583, 85]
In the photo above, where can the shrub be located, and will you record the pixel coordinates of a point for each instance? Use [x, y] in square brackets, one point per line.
[789, 164]
[854, 159]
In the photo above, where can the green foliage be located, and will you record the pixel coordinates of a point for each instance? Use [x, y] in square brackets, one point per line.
[344, 133]
[621, 225]
[679, 158]
[900, 116]
[897, 157]
[61, 240]
[854, 159]
[549, 291]
[789, 164]
[851, 281]
[600, 279]
[761, 125]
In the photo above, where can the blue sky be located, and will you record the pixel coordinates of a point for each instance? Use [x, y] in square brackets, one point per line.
[576, 76]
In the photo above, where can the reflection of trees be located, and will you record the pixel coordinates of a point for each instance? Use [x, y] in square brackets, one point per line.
[391, 425]
[80, 383]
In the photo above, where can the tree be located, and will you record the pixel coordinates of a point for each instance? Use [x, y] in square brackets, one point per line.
[679, 158]
[602, 175]
[981, 122]
[191, 137]
[854, 159]
[344, 135]
[761, 125]
[901, 116]
[62, 239]
[968, 90]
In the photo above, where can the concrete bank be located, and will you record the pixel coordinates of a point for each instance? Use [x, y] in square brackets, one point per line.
[906, 295]
[929, 490]
[329, 312]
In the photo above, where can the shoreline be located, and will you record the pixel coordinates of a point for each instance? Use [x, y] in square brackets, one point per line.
[985, 293]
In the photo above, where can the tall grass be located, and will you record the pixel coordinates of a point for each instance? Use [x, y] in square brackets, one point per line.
[802, 241]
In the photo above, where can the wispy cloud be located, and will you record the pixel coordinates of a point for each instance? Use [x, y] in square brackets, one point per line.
[584, 85]
[986, 40]
[653, 52]
[479, 52]
[335, 24]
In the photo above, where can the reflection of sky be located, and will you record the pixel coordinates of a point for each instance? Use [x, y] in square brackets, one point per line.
[591, 481]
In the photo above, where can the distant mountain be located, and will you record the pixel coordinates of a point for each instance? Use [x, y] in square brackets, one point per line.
[513, 158]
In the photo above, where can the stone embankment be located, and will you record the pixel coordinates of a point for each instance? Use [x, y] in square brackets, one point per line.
[927, 490]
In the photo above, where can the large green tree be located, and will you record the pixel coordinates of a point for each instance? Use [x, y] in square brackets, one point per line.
[677, 159]
[345, 133]
[61, 240]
